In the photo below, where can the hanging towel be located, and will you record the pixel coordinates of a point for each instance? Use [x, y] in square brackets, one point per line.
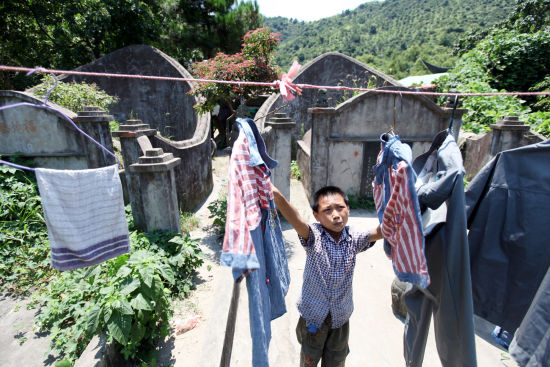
[84, 213]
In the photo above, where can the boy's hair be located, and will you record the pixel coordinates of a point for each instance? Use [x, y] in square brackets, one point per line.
[324, 191]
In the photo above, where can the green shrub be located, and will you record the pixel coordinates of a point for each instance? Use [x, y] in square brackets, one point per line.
[295, 170]
[127, 298]
[540, 122]
[74, 96]
[218, 211]
[24, 247]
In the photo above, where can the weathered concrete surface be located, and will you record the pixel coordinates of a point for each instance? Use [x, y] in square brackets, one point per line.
[194, 174]
[331, 68]
[278, 140]
[20, 345]
[376, 335]
[41, 134]
[345, 140]
[165, 105]
[153, 193]
[509, 133]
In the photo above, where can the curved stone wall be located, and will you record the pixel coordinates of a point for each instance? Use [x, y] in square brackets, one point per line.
[164, 105]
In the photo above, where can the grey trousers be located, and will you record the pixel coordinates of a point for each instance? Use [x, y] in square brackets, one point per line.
[449, 301]
[328, 345]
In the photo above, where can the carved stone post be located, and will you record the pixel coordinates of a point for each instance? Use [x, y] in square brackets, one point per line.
[281, 151]
[134, 141]
[95, 122]
[153, 196]
[507, 134]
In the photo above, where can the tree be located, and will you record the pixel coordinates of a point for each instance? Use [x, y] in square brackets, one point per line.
[199, 29]
[253, 63]
[68, 34]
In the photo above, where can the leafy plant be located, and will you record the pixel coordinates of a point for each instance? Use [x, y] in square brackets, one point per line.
[540, 122]
[218, 211]
[74, 96]
[127, 298]
[295, 170]
[24, 248]
[253, 63]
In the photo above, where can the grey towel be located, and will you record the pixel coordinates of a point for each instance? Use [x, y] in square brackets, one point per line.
[84, 213]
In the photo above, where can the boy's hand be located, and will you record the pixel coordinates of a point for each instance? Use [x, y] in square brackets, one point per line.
[375, 234]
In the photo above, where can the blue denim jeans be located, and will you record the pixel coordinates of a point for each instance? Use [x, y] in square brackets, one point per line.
[267, 286]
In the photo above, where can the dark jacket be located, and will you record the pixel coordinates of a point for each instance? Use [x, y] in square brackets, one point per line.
[531, 344]
[508, 210]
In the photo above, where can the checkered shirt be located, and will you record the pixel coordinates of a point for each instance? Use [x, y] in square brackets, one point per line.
[248, 190]
[328, 274]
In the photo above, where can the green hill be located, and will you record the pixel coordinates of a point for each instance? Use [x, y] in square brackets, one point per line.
[390, 35]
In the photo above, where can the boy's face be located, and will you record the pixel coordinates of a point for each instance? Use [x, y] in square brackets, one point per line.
[332, 212]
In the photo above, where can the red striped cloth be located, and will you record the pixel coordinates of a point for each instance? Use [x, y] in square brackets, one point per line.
[399, 225]
[248, 190]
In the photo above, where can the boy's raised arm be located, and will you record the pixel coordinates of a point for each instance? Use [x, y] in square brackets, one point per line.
[290, 213]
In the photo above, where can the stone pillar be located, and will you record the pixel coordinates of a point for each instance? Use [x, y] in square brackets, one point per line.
[507, 134]
[134, 141]
[282, 136]
[321, 120]
[153, 191]
[132, 146]
[95, 122]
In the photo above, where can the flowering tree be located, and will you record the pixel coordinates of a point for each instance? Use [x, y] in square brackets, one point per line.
[253, 63]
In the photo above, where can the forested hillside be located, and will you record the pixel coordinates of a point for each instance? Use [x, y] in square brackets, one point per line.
[390, 35]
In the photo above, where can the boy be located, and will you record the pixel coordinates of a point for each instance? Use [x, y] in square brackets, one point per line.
[326, 301]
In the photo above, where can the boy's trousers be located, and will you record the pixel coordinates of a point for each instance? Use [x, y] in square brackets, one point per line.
[330, 345]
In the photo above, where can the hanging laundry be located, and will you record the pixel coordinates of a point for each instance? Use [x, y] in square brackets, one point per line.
[507, 205]
[448, 298]
[253, 243]
[84, 214]
[398, 210]
[531, 344]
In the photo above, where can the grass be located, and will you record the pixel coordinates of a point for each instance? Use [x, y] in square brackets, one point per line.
[189, 222]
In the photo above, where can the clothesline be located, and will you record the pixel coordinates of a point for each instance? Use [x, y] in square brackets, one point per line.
[274, 84]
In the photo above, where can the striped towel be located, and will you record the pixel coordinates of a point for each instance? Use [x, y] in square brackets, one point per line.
[84, 213]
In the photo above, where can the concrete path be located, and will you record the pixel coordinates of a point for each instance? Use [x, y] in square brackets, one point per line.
[20, 345]
[376, 334]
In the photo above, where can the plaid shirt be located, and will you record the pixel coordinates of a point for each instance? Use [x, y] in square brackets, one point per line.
[328, 274]
[248, 190]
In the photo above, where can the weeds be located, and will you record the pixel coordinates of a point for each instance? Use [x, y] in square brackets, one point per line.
[218, 211]
[295, 171]
[189, 222]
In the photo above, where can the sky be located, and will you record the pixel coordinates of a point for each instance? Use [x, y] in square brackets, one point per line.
[306, 10]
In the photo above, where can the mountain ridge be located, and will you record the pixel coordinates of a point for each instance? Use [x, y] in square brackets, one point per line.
[391, 35]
